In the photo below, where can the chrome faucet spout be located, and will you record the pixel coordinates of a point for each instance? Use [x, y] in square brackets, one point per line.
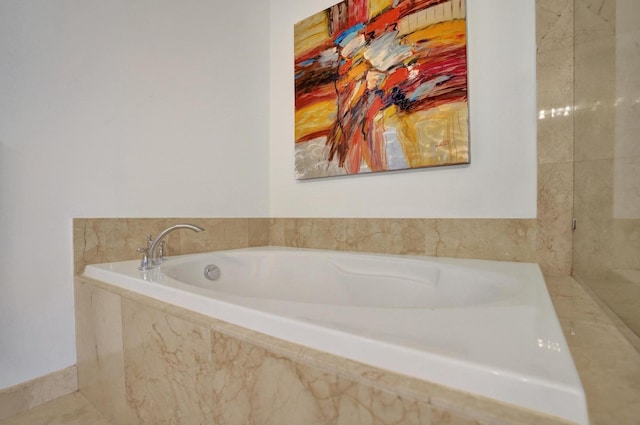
[153, 247]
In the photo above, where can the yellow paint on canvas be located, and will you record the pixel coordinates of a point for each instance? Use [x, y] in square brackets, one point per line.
[310, 33]
[316, 117]
[377, 6]
[358, 72]
[445, 33]
[437, 136]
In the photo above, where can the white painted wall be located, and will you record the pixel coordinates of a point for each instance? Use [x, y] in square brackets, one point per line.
[117, 108]
[501, 179]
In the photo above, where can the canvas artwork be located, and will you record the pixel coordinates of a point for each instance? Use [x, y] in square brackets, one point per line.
[381, 85]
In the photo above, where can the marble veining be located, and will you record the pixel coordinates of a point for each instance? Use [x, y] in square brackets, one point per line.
[167, 365]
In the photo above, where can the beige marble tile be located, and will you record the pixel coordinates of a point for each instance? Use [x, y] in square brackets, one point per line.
[253, 385]
[100, 240]
[453, 407]
[256, 378]
[100, 350]
[318, 233]
[167, 364]
[25, 396]
[554, 240]
[258, 232]
[555, 129]
[391, 236]
[447, 417]
[496, 239]
[219, 234]
[72, 409]
[490, 239]
[572, 303]
[554, 24]
[620, 292]
[626, 242]
[595, 19]
[627, 85]
[595, 97]
[446, 402]
[609, 366]
[555, 73]
[626, 182]
[593, 200]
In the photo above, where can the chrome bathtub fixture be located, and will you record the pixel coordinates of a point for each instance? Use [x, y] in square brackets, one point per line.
[154, 253]
[212, 272]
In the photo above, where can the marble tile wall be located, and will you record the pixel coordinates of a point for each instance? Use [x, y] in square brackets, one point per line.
[595, 122]
[607, 163]
[495, 239]
[554, 39]
[101, 240]
[182, 367]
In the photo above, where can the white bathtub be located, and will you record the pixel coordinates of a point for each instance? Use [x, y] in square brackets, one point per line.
[485, 327]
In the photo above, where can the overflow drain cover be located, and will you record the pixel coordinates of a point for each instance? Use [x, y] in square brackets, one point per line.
[212, 272]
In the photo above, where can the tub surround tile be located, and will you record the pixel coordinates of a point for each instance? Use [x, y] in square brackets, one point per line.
[487, 239]
[219, 234]
[257, 386]
[384, 236]
[100, 351]
[72, 409]
[101, 240]
[258, 229]
[491, 239]
[174, 359]
[25, 396]
[167, 364]
[319, 233]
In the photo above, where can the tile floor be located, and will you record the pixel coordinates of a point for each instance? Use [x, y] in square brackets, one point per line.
[72, 409]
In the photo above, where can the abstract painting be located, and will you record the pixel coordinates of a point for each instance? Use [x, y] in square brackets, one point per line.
[381, 85]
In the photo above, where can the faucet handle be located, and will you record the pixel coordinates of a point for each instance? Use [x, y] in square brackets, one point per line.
[162, 252]
[144, 263]
[149, 240]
